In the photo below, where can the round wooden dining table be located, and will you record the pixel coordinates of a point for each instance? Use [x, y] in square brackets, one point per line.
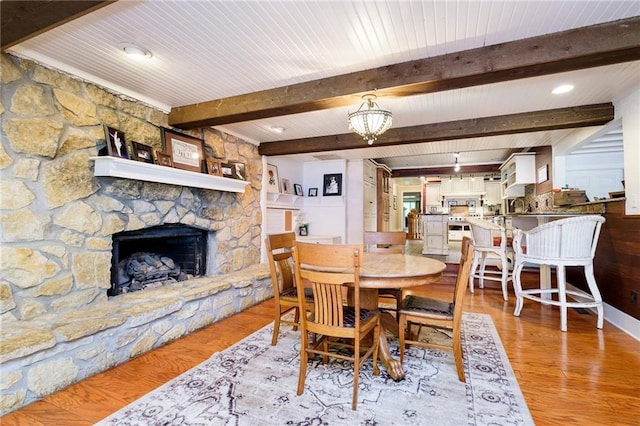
[398, 271]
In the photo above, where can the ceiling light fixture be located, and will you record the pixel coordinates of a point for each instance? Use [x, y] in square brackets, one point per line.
[456, 167]
[135, 51]
[277, 129]
[563, 88]
[371, 122]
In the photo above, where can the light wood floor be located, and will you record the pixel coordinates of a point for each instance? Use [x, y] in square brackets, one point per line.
[582, 377]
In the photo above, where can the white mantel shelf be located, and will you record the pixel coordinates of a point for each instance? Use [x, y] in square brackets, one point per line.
[130, 169]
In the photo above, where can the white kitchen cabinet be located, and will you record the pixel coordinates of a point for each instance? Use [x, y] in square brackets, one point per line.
[461, 187]
[370, 172]
[436, 234]
[477, 185]
[519, 170]
[493, 193]
[433, 194]
[370, 208]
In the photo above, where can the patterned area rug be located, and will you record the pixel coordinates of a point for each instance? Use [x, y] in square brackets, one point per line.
[254, 383]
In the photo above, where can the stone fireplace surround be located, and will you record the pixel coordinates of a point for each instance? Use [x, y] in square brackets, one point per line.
[57, 218]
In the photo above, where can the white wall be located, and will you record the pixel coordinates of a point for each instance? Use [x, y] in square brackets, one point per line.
[355, 202]
[325, 215]
[628, 109]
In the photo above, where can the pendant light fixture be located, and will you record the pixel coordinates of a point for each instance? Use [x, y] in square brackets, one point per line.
[370, 121]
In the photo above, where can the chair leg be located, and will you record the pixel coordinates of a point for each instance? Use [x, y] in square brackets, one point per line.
[356, 372]
[595, 292]
[302, 375]
[276, 326]
[517, 288]
[296, 318]
[473, 273]
[376, 348]
[505, 275]
[483, 264]
[562, 296]
[457, 354]
[402, 335]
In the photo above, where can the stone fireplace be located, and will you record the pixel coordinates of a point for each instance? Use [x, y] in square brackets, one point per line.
[60, 225]
[157, 256]
[57, 219]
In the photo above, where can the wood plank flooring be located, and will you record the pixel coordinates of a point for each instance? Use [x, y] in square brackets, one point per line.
[582, 377]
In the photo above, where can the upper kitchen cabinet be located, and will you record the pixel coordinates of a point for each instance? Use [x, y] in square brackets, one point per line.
[519, 170]
[462, 187]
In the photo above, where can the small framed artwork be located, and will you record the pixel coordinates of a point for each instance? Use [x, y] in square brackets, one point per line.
[313, 192]
[332, 185]
[164, 159]
[142, 152]
[286, 186]
[186, 151]
[227, 170]
[302, 230]
[238, 170]
[214, 167]
[273, 181]
[298, 189]
[116, 143]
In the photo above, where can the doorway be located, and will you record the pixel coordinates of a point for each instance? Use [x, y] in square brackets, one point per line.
[410, 200]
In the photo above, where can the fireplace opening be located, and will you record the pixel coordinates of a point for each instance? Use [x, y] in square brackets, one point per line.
[155, 256]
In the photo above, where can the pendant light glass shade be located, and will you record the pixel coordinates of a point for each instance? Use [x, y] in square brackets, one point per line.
[370, 122]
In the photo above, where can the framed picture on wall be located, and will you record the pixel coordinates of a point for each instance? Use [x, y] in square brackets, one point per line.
[164, 159]
[313, 192]
[332, 185]
[273, 181]
[298, 189]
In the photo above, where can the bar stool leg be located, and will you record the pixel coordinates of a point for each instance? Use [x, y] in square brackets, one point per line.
[562, 296]
[517, 288]
[593, 288]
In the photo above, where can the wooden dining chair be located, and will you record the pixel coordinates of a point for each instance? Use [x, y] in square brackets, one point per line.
[329, 268]
[280, 255]
[437, 313]
[386, 242]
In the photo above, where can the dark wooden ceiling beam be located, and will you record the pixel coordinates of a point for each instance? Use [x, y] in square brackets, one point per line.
[586, 47]
[553, 119]
[479, 169]
[21, 20]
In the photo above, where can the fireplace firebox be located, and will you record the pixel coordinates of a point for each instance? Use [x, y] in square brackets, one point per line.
[179, 251]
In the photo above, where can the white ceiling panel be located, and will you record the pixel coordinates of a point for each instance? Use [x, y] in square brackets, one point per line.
[204, 50]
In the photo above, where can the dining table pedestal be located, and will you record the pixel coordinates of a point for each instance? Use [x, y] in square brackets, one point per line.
[397, 271]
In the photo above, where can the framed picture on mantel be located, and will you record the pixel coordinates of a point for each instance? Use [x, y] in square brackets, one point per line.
[186, 151]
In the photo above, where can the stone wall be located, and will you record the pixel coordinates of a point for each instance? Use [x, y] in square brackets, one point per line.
[57, 219]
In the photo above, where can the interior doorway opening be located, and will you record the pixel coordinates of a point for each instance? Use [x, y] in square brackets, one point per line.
[410, 200]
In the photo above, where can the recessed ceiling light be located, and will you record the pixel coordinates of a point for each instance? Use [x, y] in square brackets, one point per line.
[135, 51]
[563, 88]
[277, 129]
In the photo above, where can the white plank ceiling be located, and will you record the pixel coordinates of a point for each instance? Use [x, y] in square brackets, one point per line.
[204, 50]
